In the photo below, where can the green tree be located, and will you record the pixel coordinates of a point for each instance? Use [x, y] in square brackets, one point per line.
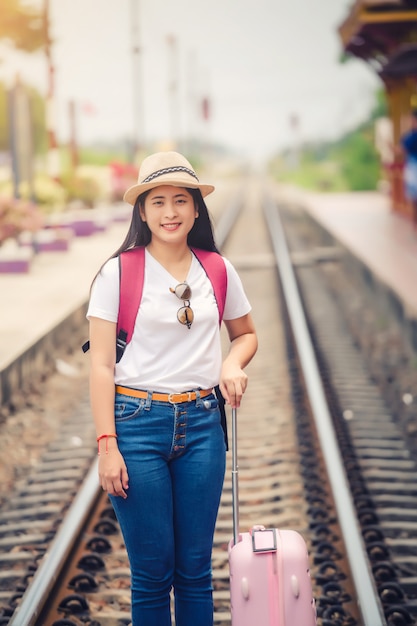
[22, 25]
[358, 160]
[350, 162]
[380, 107]
[355, 152]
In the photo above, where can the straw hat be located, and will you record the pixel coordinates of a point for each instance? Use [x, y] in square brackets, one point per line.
[165, 168]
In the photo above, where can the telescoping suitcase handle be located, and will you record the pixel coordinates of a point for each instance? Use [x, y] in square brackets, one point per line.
[235, 477]
[263, 539]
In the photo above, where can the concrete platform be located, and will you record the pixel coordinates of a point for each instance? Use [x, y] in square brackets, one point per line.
[42, 311]
[56, 288]
[56, 284]
[363, 224]
[384, 241]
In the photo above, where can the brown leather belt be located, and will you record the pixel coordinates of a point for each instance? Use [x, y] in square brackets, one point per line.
[172, 398]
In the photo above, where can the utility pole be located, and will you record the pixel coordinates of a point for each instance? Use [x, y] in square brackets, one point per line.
[21, 137]
[53, 166]
[138, 109]
[73, 146]
[173, 89]
[294, 122]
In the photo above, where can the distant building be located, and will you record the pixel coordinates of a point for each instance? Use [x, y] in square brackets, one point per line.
[383, 33]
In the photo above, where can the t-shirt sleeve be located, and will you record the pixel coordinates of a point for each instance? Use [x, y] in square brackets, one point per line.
[237, 304]
[104, 297]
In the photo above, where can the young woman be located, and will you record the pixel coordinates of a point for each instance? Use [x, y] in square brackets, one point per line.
[161, 444]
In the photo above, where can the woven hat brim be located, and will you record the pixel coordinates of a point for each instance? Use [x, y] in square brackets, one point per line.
[133, 192]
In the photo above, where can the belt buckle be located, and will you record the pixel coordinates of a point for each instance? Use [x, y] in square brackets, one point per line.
[184, 397]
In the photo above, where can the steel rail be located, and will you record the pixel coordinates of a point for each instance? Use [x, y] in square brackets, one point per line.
[368, 600]
[227, 220]
[36, 595]
[48, 571]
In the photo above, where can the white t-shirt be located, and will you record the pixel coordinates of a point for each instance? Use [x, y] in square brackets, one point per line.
[164, 355]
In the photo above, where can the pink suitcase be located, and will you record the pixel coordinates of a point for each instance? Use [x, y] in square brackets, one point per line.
[270, 581]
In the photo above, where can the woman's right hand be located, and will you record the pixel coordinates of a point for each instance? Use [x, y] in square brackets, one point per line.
[113, 472]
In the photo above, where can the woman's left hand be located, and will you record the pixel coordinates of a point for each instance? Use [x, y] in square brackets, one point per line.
[233, 380]
[233, 383]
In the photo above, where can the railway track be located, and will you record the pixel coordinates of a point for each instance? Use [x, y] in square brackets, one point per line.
[62, 558]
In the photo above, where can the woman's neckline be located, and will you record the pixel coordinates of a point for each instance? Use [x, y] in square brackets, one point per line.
[177, 268]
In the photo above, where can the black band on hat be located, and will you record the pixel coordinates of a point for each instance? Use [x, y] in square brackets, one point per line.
[169, 170]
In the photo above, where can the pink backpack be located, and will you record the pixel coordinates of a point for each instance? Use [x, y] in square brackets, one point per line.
[132, 273]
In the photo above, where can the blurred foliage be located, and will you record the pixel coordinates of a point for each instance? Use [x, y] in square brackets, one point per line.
[83, 188]
[312, 170]
[358, 159]
[49, 194]
[52, 195]
[380, 108]
[18, 216]
[22, 25]
[350, 163]
[101, 155]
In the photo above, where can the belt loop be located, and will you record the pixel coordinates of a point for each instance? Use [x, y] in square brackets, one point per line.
[197, 397]
[148, 401]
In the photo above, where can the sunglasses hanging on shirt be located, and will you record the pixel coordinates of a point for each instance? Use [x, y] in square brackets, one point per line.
[185, 314]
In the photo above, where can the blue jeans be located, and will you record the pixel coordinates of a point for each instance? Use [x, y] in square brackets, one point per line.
[175, 457]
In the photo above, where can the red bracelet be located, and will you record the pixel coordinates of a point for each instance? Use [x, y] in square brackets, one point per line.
[106, 437]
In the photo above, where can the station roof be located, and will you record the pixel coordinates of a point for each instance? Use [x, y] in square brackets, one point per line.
[384, 33]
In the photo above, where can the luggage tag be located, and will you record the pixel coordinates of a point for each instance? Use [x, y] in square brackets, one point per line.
[264, 539]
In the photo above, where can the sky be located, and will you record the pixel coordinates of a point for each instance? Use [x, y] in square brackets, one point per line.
[260, 64]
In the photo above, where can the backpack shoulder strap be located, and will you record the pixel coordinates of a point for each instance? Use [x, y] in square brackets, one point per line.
[132, 276]
[215, 268]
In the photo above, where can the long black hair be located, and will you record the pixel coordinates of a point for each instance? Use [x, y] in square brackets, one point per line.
[200, 236]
